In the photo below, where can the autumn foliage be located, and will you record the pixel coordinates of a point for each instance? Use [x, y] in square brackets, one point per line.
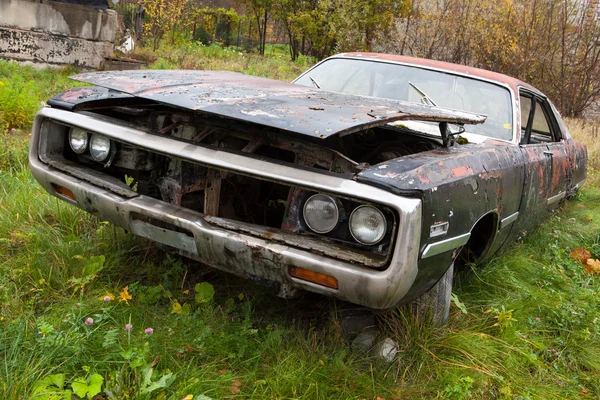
[551, 44]
[591, 265]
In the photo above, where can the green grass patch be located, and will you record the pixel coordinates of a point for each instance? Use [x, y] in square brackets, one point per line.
[529, 324]
[275, 64]
[23, 90]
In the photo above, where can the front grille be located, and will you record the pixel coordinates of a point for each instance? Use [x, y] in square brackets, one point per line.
[260, 207]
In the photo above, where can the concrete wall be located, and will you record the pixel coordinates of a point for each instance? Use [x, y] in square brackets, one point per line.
[49, 32]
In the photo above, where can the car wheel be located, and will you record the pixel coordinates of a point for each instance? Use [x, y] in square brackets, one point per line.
[434, 305]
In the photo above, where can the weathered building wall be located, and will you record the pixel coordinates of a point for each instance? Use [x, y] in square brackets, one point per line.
[54, 33]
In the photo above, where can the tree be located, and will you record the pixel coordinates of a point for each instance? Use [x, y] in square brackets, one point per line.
[162, 16]
[361, 22]
[552, 44]
[261, 11]
[309, 26]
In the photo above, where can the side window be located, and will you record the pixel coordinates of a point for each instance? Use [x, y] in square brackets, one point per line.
[541, 129]
[525, 112]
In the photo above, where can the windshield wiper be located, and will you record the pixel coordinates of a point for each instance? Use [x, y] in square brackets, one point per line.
[427, 99]
[314, 82]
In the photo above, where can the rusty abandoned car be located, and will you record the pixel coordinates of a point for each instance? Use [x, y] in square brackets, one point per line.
[364, 179]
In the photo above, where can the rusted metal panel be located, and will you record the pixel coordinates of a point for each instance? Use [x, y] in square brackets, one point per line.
[314, 245]
[212, 193]
[294, 108]
[577, 153]
[73, 97]
[457, 185]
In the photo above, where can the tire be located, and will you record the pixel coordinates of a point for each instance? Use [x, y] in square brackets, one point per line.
[434, 306]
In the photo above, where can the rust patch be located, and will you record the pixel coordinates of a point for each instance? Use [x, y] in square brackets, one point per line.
[462, 171]
[491, 175]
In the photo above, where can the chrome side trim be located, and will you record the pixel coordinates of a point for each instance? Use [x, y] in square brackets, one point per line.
[556, 199]
[580, 184]
[508, 220]
[445, 245]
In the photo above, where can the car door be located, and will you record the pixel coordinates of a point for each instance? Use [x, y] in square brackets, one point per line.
[546, 159]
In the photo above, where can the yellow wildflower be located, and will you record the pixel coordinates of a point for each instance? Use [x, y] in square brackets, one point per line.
[124, 295]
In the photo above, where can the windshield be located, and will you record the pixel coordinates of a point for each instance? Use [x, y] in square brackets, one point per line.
[417, 85]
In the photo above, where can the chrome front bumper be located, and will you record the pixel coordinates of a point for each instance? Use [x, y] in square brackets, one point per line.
[232, 251]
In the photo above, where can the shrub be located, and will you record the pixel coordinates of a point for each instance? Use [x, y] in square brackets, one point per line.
[18, 102]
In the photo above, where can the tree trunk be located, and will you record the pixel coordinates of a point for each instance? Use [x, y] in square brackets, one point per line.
[264, 35]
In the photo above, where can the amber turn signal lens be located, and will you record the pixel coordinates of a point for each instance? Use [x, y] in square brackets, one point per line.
[64, 191]
[314, 277]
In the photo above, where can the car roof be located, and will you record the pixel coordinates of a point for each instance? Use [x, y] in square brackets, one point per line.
[441, 65]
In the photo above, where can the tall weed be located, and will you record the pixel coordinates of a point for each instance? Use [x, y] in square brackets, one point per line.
[19, 101]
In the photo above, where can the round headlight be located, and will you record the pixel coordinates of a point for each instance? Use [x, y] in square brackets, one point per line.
[99, 147]
[367, 225]
[78, 140]
[321, 213]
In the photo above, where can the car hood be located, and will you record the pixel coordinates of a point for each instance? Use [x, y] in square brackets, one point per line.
[299, 109]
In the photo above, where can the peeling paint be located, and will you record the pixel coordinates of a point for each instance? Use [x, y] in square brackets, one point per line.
[275, 104]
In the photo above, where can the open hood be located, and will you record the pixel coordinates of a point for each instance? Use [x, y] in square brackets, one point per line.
[300, 109]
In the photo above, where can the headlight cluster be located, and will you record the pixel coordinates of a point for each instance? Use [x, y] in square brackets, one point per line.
[367, 224]
[321, 213]
[99, 146]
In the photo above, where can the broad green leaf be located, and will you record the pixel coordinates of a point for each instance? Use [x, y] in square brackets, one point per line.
[93, 265]
[458, 303]
[148, 386]
[51, 388]
[57, 380]
[95, 385]
[204, 292]
[176, 308]
[80, 387]
[127, 354]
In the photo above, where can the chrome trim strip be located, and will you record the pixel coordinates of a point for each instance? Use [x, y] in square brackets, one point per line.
[508, 220]
[445, 245]
[377, 289]
[556, 199]
[580, 184]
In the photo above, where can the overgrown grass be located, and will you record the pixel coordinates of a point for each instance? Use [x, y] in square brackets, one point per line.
[527, 326]
[24, 89]
[275, 64]
[530, 324]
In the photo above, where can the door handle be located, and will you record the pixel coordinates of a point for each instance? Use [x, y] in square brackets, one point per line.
[548, 153]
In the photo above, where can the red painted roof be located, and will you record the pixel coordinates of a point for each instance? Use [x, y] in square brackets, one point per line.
[458, 68]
